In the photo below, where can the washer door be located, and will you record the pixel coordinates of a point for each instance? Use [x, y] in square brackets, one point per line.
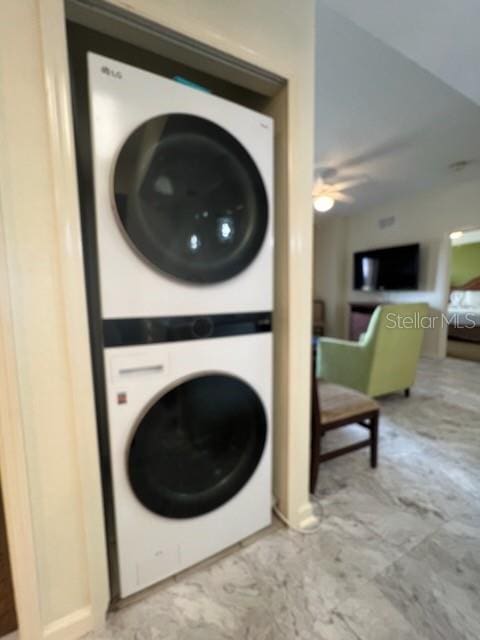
[190, 198]
[197, 446]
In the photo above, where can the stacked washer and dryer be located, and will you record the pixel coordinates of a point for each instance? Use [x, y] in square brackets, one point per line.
[184, 226]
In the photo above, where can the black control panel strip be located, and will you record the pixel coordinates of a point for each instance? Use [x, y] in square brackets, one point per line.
[123, 332]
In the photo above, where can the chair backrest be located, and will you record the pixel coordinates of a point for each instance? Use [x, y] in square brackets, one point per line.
[318, 311]
[395, 335]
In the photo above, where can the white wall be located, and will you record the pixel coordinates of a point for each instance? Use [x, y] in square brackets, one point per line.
[48, 403]
[426, 218]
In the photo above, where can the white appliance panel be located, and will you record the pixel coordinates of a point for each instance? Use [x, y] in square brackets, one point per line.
[152, 547]
[121, 99]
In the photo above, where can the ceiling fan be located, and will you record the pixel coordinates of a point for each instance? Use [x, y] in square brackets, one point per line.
[326, 194]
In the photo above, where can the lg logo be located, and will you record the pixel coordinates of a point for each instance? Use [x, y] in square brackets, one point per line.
[113, 74]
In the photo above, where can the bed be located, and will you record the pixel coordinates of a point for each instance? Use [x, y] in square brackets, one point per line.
[464, 312]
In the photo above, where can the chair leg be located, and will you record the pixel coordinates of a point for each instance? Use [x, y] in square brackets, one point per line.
[315, 458]
[316, 437]
[407, 392]
[374, 441]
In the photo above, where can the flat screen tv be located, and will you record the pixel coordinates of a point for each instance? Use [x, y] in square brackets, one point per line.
[390, 269]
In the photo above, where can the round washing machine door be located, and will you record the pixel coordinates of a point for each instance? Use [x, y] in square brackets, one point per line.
[197, 446]
[190, 198]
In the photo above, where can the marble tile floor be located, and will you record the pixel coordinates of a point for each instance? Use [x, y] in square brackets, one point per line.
[396, 556]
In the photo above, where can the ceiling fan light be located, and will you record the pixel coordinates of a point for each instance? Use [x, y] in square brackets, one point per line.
[456, 234]
[322, 204]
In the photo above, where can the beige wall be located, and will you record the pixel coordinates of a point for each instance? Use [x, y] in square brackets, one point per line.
[47, 331]
[48, 426]
[426, 218]
[330, 266]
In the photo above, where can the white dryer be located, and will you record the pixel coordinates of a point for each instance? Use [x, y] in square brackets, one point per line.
[190, 443]
[183, 197]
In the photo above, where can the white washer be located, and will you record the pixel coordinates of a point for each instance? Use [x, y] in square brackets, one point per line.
[183, 197]
[190, 439]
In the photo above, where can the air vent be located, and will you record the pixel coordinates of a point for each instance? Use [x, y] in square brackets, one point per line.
[456, 167]
[384, 223]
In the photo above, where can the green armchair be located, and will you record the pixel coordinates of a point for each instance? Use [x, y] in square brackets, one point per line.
[385, 358]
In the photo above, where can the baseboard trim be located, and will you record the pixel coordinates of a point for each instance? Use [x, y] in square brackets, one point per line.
[72, 626]
[306, 516]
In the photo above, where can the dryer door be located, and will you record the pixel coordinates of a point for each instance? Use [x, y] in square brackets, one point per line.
[197, 446]
[190, 198]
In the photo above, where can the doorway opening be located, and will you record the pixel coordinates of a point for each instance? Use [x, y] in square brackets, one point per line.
[463, 339]
[128, 39]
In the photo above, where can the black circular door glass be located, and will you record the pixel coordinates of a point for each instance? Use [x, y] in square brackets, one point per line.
[197, 446]
[190, 198]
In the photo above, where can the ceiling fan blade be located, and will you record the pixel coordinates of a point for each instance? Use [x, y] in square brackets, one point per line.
[349, 184]
[320, 189]
[342, 197]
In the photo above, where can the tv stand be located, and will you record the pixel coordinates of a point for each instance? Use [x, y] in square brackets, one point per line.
[359, 318]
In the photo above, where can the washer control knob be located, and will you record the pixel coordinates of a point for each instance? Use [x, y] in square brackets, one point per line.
[202, 327]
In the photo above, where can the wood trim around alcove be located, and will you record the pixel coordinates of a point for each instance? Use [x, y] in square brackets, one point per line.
[8, 617]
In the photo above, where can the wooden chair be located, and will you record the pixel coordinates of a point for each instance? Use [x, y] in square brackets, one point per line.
[334, 406]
